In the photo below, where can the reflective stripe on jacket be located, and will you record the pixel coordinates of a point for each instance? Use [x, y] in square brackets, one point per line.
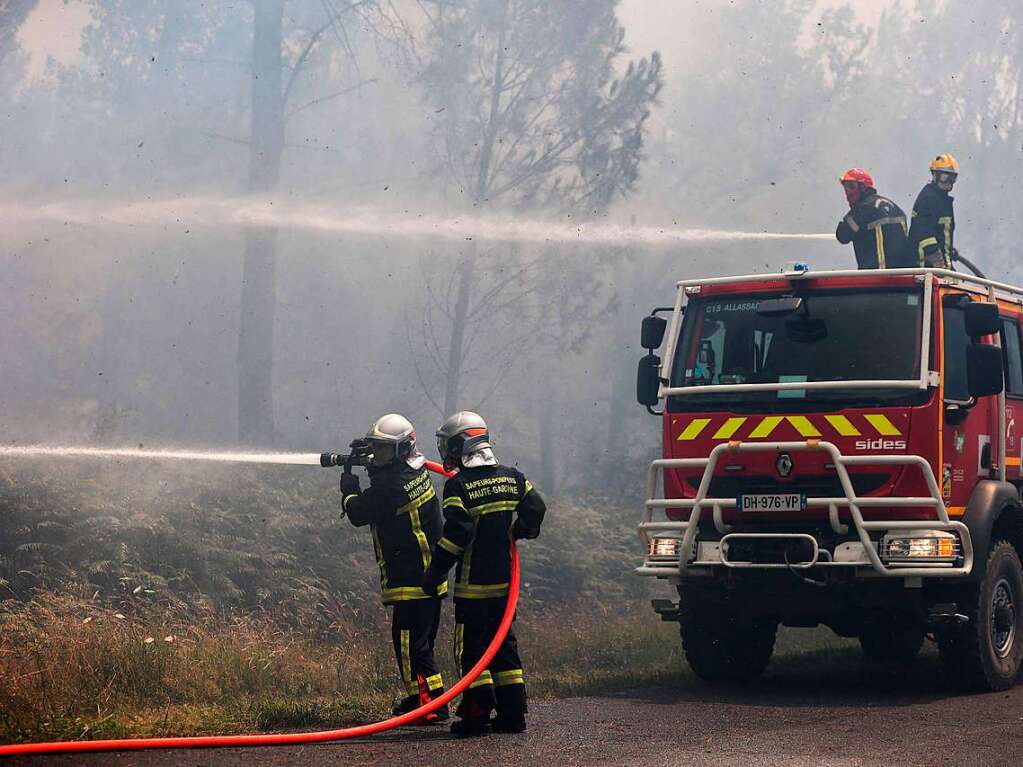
[480, 506]
[403, 513]
[932, 230]
[877, 228]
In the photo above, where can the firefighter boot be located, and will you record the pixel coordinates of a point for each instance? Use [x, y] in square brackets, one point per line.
[509, 722]
[511, 706]
[441, 713]
[424, 697]
[474, 721]
[409, 703]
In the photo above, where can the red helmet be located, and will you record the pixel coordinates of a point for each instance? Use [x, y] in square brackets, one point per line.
[860, 176]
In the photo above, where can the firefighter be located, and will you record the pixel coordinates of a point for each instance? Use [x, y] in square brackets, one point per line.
[934, 220]
[485, 504]
[403, 513]
[875, 225]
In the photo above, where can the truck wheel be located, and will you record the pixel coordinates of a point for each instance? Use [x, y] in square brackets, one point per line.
[726, 651]
[886, 642]
[986, 653]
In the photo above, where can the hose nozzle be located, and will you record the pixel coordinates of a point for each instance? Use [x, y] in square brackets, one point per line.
[332, 459]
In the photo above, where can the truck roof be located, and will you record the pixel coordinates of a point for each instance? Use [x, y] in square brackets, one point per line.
[852, 278]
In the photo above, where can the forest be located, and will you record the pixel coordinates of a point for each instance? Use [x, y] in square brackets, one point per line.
[258, 225]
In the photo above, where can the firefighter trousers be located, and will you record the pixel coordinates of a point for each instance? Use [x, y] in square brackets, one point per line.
[502, 685]
[414, 626]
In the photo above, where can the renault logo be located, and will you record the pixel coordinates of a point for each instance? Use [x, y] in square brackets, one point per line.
[784, 465]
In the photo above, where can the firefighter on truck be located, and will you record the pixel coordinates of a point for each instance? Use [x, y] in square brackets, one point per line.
[840, 450]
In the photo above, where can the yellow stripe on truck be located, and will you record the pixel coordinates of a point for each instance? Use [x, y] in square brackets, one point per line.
[802, 424]
[842, 425]
[884, 427]
[765, 427]
[805, 427]
[692, 431]
[729, 427]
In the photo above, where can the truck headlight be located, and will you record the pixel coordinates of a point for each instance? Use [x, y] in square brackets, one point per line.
[664, 548]
[920, 546]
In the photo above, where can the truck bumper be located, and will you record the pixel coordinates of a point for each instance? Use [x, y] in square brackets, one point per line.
[865, 547]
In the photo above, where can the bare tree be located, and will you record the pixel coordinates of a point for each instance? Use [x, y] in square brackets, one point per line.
[531, 117]
[266, 145]
[271, 95]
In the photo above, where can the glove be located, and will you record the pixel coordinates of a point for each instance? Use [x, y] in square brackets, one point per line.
[432, 579]
[520, 531]
[349, 484]
[361, 451]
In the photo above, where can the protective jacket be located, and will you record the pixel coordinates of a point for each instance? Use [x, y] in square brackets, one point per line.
[877, 228]
[403, 513]
[480, 504]
[933, 228]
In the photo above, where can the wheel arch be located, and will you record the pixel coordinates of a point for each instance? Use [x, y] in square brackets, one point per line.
[994, 512]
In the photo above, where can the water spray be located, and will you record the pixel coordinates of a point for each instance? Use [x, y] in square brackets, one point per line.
[69, 451]
[328, 217]
[289, 459]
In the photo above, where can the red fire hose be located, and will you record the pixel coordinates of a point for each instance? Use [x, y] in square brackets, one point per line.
[294, 738]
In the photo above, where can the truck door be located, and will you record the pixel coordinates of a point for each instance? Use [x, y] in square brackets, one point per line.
[969, 433]
[1013, 356]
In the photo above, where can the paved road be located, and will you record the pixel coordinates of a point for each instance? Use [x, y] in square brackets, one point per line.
[829, 712]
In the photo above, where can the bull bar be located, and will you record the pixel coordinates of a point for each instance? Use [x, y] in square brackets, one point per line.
[853, 502]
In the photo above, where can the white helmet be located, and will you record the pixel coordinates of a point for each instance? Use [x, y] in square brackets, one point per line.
[461, 434]
[392, 437]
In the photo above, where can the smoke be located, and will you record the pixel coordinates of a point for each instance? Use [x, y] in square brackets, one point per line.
[186, 213]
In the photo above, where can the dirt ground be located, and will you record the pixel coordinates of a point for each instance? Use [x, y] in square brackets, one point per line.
[832, 715]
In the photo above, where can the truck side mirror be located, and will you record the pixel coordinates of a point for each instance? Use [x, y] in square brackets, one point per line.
[653, 332]
[981, 319]
[648, 382]
[984, 375]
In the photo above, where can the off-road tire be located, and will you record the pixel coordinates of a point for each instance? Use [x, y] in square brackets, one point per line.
[885, 642]
[986, 653]
[720, 650]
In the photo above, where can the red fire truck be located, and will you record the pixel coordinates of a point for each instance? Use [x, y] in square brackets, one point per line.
[840, 449]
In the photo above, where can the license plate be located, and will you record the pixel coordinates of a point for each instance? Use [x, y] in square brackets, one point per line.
[773, 502]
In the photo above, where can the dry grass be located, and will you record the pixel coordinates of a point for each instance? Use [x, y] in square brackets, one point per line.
[71, 668]
[245, 605]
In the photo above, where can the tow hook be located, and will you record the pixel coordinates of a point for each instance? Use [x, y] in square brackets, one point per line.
[946, 615]
[667, 609]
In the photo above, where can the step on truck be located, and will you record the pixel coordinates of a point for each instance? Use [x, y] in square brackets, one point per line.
[840, 449]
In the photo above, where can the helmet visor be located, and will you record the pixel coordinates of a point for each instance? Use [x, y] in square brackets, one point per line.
[442, 445]
[383, 452]
[945, 177]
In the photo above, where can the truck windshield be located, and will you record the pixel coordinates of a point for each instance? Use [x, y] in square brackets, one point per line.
[833, 336]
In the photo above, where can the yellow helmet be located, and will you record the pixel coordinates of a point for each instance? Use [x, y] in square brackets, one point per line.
[945, 163]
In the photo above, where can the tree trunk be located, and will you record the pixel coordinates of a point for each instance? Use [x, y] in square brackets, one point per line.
[624, 354]
[622, 378]
[466, 277]
[467, 269]
[548, 446]
[255, 333]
